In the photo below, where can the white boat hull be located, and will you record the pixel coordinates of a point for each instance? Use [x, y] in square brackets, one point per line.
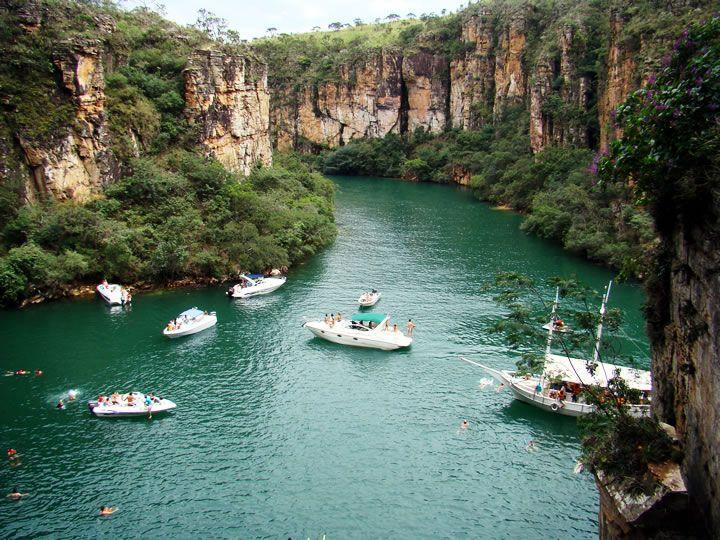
[112, 294]
[525, 390]
[187, 329]
[267, 286]
[124, 410]
[369, 302]
[374, 339]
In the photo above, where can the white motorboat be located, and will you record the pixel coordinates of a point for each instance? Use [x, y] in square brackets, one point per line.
[131, 404]
[255, 284]
[561, 386]
[368, 299]
[113, 294]
[190, 322]
[372, 330]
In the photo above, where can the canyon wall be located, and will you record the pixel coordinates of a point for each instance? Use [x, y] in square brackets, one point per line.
[227, 100]
[397, 92]
[684, 325]
[386, 93]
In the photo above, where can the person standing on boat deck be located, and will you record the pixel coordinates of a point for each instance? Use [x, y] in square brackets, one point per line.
[561, 395]
[538, 388]
[395, 328]
[410, 327]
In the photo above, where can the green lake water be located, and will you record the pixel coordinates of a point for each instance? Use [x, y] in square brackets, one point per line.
[278, 434]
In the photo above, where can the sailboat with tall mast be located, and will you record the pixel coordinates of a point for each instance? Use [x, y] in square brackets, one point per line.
[563, 384]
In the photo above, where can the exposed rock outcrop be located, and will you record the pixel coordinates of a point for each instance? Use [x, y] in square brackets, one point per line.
[620, 82]
[78, 162]
[557, 115]
[387, 93]
[472, 77]
[684, 325]
[227, 99]
[510, 72]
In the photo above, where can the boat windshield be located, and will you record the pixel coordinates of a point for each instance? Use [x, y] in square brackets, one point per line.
[191, 313]
[376, 318]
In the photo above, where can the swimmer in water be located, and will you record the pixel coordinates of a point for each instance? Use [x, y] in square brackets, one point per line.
[107, 510]
[500, 387]
[38, 372]
[12, 454]
[464, 424]
[531, 447]
[60, 405]
[15, 495]
[72, 394]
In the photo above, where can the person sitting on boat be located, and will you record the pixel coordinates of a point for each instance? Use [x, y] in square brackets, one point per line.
[154, 398]
[104, 283]
[148, 401]
[561, 395]
[331, 320]
[338, 317]
[130, 399]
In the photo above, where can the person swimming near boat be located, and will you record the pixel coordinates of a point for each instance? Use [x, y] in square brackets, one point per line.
[531, 446]
[12, 454]
[72, 394]
[500, 387]
[410, 327]
[465, 424]
[107, 510]
[60, 405]
[15, 494]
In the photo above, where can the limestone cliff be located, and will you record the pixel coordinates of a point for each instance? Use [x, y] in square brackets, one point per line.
[684, 324]
[78, 162]
[557, 115]
[227, 99]
[620, 81]
[472, 77]
[510, 71]
[386, 93]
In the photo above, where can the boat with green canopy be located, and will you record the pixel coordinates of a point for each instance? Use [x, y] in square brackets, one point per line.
[371, 330]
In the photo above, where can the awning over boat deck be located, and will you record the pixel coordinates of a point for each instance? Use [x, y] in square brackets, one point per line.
[191, 313]
[575, 370]
[377, 318]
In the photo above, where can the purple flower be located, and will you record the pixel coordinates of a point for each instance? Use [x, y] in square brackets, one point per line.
[652, 79]
[666, 60]
[698, 81]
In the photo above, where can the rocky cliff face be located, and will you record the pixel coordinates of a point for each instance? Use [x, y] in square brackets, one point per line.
[387, 93]
[227, 99]
[620, 82]
[559, 97]
[684, 324]
[472, 77]
[78, 162]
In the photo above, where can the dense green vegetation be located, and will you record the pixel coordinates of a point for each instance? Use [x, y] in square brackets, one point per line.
[173, 214]
[555, 189]
[178, 216]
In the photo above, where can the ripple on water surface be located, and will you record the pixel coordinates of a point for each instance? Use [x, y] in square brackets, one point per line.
[277, 434]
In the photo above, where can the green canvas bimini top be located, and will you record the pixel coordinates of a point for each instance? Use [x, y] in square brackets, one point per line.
[377, 318]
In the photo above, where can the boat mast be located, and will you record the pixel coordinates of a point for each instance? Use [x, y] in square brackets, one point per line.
[598, 335]
[552, 322]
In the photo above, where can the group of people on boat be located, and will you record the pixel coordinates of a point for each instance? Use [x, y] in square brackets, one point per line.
[179, 322]
[333, 318]
[20, 372]
[128, 400]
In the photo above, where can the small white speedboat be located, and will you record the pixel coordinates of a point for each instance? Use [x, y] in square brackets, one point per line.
[112, 293]
[131, 404]
[254, 284]
[371, 330]
[368, 299]
[190, 322]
